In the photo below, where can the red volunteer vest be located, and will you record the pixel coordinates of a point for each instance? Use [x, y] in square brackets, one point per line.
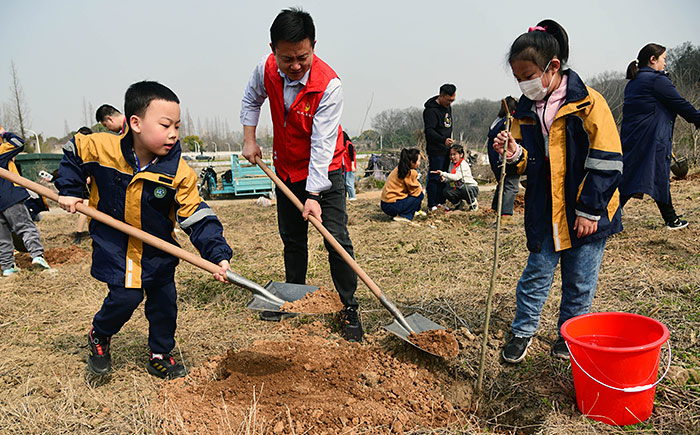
[292, 136]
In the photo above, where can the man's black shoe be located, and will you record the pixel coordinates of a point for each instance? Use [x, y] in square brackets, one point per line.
[560, 350]
[350, 324]
[275, 316]
[99, 360]
[516, 349]
[677, 224]
[164, 366]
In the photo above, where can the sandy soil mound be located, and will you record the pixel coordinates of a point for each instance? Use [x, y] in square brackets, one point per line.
[54, 256]
[320, 301]
[308, 383]
[439, 342]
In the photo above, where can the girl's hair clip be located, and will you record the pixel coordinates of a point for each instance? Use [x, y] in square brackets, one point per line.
[537, 28]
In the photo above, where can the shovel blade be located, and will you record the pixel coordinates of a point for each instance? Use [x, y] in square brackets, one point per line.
[285, 291]
[418, 323]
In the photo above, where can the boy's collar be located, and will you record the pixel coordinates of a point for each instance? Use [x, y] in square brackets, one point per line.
[166, 164]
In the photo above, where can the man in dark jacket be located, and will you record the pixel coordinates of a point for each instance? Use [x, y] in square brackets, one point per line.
[437, 118]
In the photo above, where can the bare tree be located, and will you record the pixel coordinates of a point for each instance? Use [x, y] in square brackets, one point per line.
[6, 117]
[611, 84]
[683, 65]
[19, 110]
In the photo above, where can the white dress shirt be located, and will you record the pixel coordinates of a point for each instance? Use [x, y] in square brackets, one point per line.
[324, 130]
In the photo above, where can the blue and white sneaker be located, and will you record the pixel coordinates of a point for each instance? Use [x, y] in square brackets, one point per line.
[11, 271]
[39, 262]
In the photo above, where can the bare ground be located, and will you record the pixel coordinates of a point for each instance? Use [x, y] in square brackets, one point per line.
[440, 268]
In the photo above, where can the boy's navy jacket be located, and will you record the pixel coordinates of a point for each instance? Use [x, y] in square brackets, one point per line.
[437, 121]
[151, 200]
[579, 173]
[9, 193]
[648, 115]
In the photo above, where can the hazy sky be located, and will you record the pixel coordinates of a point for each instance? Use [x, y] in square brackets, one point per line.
[399, 51]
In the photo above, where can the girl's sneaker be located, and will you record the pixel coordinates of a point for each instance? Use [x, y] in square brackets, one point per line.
[164, 366]
[40, 263]
[11, 271]
[400, 219]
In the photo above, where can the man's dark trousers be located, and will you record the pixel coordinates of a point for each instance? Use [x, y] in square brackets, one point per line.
[294, 231]
[433, 185]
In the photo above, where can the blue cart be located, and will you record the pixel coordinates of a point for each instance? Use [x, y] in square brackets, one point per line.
[243, 179]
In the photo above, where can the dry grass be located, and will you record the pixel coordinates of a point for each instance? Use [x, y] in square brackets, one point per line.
[440, 268]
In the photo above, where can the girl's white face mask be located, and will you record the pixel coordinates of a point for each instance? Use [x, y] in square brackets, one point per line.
[533, 88]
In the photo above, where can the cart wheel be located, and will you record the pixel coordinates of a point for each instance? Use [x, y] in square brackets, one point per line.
[204, 193]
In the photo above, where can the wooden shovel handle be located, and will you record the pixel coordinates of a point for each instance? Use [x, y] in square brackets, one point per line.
[117, 224]
[326, 234]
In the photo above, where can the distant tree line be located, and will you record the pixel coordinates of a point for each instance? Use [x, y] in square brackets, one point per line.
[399, 128]
[392, 129]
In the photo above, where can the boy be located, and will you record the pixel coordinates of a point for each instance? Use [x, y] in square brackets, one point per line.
[139, 178]
[14, 215]
[110, 118]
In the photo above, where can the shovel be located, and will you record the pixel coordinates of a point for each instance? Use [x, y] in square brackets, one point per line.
[271, 297]
[402, 326]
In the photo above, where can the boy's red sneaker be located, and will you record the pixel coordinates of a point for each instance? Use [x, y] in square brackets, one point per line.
[99, 360]
[164, 366]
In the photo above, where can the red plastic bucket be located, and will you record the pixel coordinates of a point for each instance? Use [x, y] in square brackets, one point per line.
[615, 360]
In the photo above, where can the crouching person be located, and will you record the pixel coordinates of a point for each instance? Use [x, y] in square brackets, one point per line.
[402, 193]
[139, 178]
[460, 184]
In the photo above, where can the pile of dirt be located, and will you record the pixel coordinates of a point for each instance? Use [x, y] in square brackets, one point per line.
[319, 302]
[439, 342]
[307, 384]
[54, 256]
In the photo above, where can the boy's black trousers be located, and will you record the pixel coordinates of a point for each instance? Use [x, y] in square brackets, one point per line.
[160, 307]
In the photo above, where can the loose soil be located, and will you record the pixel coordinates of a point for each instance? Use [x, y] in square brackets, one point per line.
[439, 342]
[321, 301]
[308, 383]
[54, 256]
[245, 372]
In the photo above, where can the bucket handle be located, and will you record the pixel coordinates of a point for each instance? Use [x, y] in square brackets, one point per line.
[626, 389]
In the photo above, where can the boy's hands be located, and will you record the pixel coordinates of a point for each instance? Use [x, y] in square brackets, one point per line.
[221, 274]
[68, 203]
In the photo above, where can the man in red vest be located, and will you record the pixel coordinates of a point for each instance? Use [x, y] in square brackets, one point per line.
[306, 103]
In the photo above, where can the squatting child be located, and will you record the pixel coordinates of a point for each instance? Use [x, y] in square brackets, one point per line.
[402, 193]
[460, 185]
[140, 178]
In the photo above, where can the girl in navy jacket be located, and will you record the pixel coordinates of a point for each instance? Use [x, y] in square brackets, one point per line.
[564, 138]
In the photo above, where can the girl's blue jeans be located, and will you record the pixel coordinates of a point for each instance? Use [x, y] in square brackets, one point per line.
[579, 278]
[405, 208]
